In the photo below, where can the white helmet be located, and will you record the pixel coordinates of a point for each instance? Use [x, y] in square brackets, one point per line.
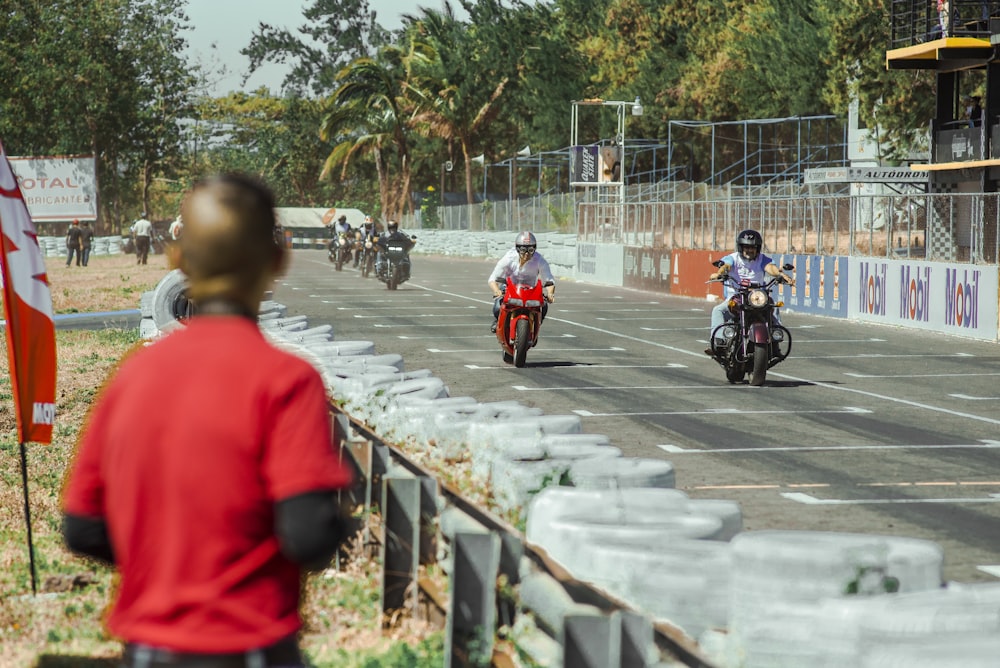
[525, 245]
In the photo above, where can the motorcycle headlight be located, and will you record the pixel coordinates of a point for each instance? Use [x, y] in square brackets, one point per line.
[757, 298]
[513, 301]
[533, 303]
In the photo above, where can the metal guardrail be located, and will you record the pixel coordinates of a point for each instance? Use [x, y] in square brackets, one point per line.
[496, 579]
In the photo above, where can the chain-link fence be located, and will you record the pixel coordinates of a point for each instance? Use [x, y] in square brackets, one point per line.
[947, 227]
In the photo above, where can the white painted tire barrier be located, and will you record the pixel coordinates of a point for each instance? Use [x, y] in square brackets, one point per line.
[777, 575]
[624, 472]
[683, 581]
[516, 479]
[628, 504]
[168, 296]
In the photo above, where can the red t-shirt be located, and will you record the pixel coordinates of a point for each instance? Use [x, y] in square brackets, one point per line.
[184, 455]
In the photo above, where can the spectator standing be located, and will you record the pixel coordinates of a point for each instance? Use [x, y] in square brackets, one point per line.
[974, 112]
[176, 228]
[73, 243]
[943, 16]
[86, 241]
[142, 234]
[213, 504]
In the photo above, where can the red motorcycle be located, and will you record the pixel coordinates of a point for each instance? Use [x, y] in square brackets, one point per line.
[519, 321]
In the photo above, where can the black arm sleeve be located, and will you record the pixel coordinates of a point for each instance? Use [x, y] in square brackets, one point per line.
[88, 536]
[310, 528]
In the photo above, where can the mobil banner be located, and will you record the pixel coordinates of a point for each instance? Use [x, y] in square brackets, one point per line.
[947, 297]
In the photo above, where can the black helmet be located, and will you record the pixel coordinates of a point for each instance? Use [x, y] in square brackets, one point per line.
[392, 226]
[749, 239]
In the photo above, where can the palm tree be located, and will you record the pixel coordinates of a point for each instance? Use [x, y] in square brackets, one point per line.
[373, 116]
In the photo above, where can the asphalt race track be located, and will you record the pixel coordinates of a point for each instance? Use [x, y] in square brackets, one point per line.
[863, 428]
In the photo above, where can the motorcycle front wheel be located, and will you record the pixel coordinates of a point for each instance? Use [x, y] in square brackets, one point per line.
[761, 356]
[522, 341]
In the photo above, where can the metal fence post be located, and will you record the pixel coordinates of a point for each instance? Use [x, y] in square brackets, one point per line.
[472, 612]
[400, 545]
[590, 640]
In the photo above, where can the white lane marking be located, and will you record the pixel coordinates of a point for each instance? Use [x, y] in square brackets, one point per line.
[478, 323]
[672, 329]
[990, 570]
[546, 349]
[879, 355]
[984, 444]
[650, 318]
[898, 400]
[477, 336]
[725, 411]
[971, 398]
[800, 340]
[403, 308]
[524, 388]
[808, 499]
[921, 375]
[676, 448]
[585, 365]
[408, 315]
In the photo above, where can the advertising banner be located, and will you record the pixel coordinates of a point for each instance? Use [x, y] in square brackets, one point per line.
[57, 188]
[31, 339]
[689, 271]
[958, 299]
[584, 164]
[820, 284]
[647, 268]
[600, 263]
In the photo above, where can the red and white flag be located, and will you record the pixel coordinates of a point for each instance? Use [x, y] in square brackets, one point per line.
[27, 302]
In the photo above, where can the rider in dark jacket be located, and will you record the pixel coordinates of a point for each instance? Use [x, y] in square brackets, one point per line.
[392, 237]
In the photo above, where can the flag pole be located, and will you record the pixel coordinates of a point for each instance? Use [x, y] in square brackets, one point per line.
[27, 517]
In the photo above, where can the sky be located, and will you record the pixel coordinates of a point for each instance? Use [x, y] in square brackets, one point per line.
[230, 24]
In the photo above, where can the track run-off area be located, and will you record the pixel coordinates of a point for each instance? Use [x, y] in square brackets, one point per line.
[864, 428]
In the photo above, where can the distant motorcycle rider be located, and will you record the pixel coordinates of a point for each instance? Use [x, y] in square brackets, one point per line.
[524, 264]
[749, 264]
[337, 228]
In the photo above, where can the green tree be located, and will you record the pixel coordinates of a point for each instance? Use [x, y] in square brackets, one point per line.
[272, 137]
[897, 105]
[336, 32]
[103, 77]
[370, 114]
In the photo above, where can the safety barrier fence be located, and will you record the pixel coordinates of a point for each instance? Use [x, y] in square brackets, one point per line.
[954, 227]
[493, 576]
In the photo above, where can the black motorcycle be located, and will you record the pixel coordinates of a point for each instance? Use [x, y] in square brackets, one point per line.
[753, 341]
[395, 266]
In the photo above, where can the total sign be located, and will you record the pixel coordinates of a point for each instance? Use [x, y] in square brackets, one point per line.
[57, 188]
[941, 296]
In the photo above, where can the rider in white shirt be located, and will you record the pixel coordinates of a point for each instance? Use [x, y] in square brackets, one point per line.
[746, 264]
[524, 265]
